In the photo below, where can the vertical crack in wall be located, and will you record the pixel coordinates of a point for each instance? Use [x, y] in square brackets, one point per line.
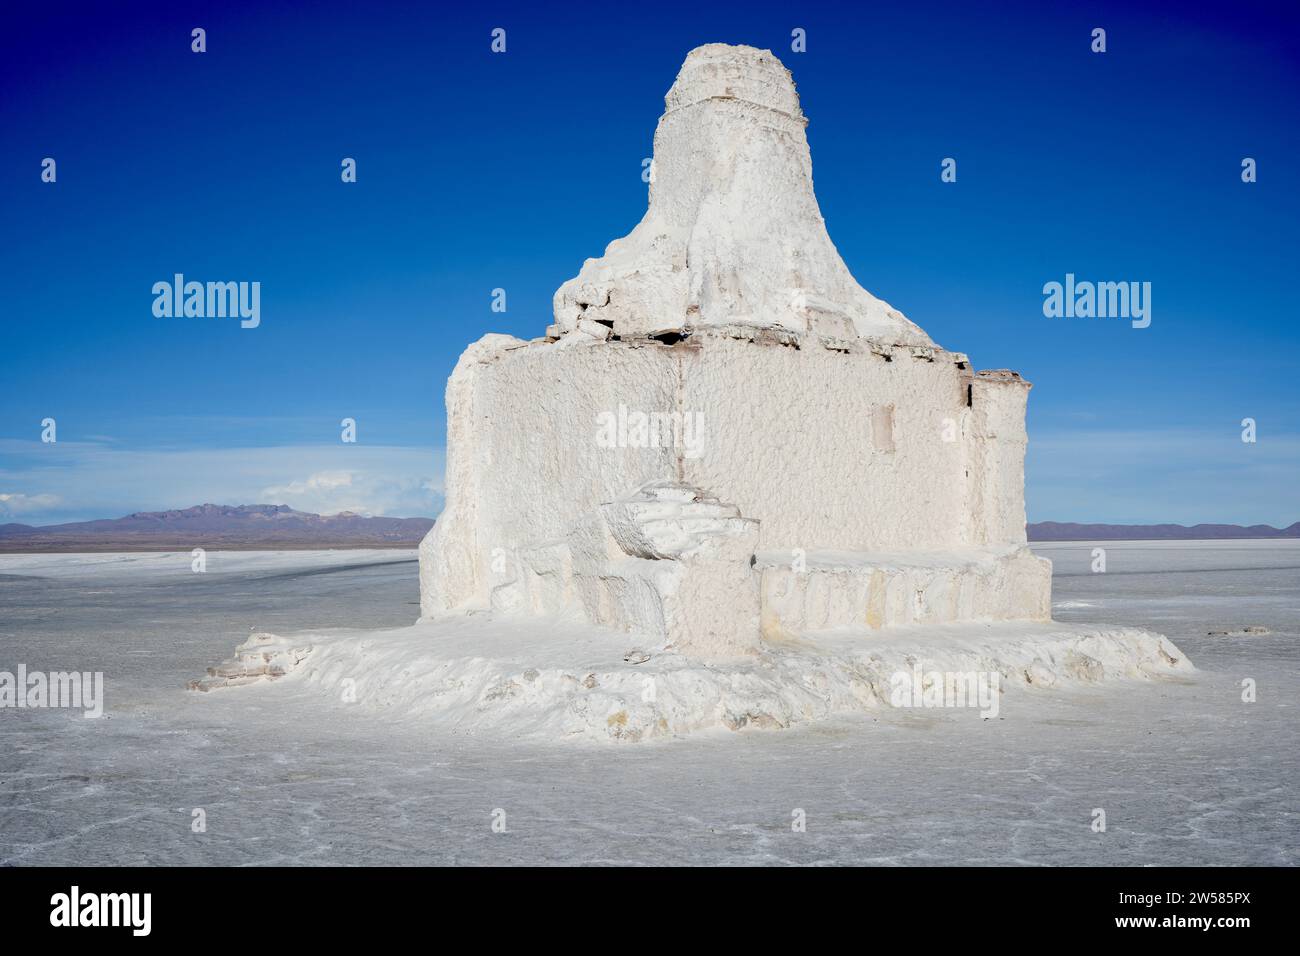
[679, 399]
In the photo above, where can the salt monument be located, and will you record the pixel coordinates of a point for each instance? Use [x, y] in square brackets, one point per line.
[723, 437]
[728, 487]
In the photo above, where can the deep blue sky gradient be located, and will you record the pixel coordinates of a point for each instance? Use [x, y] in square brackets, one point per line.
[479, 171]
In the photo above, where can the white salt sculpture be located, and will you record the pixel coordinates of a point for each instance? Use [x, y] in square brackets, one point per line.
[780, 489]
[723, 440]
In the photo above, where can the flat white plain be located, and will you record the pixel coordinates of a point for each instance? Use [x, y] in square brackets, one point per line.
[1187, 772]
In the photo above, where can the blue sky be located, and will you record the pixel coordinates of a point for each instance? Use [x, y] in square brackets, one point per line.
[478, 171]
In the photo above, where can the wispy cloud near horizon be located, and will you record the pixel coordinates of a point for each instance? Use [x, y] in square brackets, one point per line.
[75, 481]
[1088, 475]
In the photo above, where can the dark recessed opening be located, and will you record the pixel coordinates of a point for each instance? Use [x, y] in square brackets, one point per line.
[670, 338]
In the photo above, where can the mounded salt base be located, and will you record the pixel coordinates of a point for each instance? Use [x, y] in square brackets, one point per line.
[559, 679]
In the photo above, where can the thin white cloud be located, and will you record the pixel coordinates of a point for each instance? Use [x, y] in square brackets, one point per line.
[329, 492]
[14, 504]
[1090, 475]
[79, 480]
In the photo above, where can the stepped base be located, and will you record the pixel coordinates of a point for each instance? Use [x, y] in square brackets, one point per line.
[825, 589]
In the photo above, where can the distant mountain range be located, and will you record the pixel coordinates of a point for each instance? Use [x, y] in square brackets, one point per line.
[279, 527]
[235, 528]
[1066, 531]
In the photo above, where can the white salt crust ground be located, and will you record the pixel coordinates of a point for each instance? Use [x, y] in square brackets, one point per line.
[1188, 772]
[134, 566]
[560, 679]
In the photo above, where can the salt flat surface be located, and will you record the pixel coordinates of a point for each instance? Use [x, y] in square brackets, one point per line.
[1186, 772]
[135, 565]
